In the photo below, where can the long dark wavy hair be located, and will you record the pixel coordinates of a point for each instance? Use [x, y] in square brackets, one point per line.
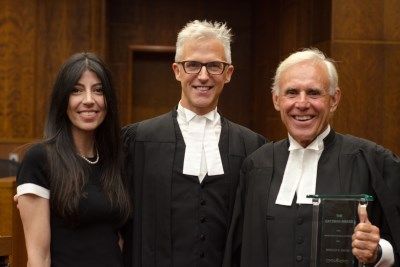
[68, 172]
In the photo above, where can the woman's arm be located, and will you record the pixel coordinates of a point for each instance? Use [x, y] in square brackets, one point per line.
[35, 216]
[120, 241]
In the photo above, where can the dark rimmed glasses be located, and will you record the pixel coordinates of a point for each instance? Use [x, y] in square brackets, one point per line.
[194, 67]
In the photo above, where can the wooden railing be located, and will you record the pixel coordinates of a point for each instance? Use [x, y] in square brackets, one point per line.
[10, 225]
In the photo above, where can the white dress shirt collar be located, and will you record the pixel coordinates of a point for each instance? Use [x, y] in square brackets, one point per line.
[201, 134]
[187, 115]
[300, 174]
[317, 144]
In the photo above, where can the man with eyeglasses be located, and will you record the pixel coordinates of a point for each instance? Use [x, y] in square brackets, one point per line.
[273, 217]
[184, 165]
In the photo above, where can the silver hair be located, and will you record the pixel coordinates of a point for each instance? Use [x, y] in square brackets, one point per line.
[204, 29]
[309, 54]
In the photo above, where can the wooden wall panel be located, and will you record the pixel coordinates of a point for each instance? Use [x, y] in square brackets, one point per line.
[391, 26]
[288, 29]
[351, 13]
[151, 97]
[37, 36]
[286, 26]
[370, 96]
[303, 23]
[366, 44]
[373, 20]
[391, 98]
[265, 57]
[17, 32]
[358, 109]
[64, 27]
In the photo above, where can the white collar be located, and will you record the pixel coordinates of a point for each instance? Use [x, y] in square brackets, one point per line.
[317, 144]
[188, 115]
[301, 171]
[201, 134]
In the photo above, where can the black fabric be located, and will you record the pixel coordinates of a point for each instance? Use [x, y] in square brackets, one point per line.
[198, 213]
[93, 241]
[287, 225]
[347, 165]
[151, 148]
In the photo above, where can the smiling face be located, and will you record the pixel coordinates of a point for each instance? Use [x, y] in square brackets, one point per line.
[86, 105]
[200, 92]
[304, 102]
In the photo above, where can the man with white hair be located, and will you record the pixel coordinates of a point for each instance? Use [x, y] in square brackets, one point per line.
[184, 165]
[271, 224]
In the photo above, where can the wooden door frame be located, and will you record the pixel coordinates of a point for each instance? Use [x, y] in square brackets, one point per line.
[135, 49]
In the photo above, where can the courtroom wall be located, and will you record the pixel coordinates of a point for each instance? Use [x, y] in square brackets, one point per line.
[362, 36]
[366, 44]
[36, 37]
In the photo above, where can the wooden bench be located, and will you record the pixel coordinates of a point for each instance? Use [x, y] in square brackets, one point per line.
[10, 223]
[5, 250]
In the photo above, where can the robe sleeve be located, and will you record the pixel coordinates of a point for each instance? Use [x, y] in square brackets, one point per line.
[391, 176]
[234, 239]
[248, 220]
[385, 177]
[128, 134]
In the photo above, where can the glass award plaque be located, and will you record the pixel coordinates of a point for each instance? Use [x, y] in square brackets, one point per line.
[334, 219]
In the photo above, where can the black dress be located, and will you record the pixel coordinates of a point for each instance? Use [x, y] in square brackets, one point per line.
[90, 241]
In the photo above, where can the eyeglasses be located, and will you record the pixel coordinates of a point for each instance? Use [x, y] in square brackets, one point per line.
[213, 68]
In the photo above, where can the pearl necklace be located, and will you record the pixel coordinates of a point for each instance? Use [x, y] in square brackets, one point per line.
[91, 162]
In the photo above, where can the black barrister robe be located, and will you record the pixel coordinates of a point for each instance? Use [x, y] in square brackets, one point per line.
[359, 166]
[150, 146]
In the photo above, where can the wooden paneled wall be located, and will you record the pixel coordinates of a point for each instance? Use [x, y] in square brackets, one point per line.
[363, 37]
[36, 37]
[366, 44]
[265, 58]
[282, 27]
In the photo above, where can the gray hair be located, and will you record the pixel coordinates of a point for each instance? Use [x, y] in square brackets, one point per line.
[309, 54]
[204, 29]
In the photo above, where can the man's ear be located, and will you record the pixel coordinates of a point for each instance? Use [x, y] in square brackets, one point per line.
[335, 99]
[275, 100]
[177, 71]
[228, 74]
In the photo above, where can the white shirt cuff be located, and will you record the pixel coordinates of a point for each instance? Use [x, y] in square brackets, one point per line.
[30, 188]
[387, 259]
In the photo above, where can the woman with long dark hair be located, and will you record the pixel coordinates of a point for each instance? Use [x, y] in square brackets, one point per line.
[71, 194]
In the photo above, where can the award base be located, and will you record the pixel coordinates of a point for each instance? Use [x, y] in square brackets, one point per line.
[334, 219]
